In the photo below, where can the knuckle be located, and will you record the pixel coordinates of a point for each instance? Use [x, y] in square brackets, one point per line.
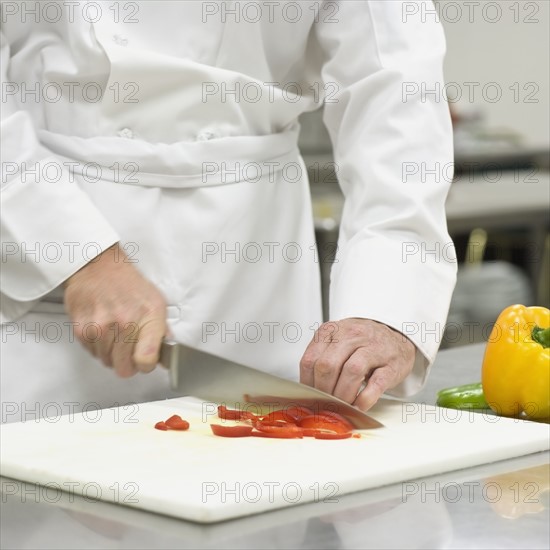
[306, 366]
[308, 361]
[152, 306]
[357, 331]
[355, 368]
[323, 367]
[378, 383]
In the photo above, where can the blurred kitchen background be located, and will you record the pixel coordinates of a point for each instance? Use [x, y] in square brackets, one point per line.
[499, 203]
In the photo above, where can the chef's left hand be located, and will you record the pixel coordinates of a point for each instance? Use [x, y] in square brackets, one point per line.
[344, 355]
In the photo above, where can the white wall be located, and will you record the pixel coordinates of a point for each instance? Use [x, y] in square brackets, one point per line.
[514, 48]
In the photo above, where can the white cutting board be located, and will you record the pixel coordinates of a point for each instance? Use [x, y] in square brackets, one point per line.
[118, 456]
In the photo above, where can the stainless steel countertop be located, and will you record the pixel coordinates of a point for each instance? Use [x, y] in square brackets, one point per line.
[470, 508]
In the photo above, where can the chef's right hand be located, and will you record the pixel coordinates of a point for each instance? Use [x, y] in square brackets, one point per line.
[119, 316]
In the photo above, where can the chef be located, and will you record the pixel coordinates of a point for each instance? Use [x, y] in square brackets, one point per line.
[152, 186]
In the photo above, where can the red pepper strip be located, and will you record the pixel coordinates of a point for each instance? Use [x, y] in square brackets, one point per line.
[325, 422]
[176, 422]
[273, 424]
[279, 416]
[332, 416]
[310, 432]
[161, 426]
[278, 434]
[298, 412]
[288, 429]
[290, 415]
[233, 414]
[327, 435]
[231, 431]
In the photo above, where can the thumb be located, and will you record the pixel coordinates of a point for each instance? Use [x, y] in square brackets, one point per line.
[147, 349]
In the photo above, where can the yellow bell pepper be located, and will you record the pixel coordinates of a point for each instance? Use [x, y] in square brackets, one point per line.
[516, 367]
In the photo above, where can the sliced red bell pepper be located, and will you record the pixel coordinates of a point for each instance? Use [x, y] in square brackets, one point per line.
[298, 412]
[234, 414]
[231, 431]
[279, 434]
[279, 416]
[290, 414]
[283, 430]
[326, 421]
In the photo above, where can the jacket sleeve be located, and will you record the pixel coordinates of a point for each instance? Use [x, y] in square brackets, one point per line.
[49, 226]
[393, 148]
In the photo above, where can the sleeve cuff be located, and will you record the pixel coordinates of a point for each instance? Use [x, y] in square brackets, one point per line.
[373, 280]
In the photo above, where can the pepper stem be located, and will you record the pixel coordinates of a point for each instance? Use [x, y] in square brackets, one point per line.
[541, 336]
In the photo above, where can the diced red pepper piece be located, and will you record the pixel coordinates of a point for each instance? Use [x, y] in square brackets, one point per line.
[161, 426]
[176, 422]
[231, 431]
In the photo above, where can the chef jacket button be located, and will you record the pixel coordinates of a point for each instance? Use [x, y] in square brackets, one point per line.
[120, 39]
[207, 135]
[125, 133]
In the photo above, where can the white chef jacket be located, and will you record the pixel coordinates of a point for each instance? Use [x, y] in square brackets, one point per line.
[171, 128]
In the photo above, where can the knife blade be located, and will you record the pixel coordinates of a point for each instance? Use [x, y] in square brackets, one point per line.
[213, 378]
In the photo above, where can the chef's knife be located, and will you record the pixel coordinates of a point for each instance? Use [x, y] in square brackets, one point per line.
[212, 378]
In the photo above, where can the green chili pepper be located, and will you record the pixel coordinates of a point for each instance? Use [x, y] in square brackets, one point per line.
[468, 396]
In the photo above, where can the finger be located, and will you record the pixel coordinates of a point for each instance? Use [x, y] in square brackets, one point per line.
[382, 379]
[328, 367]
[358, 367]
[320, 341]
[147, 349]
[123, 349]
[103, 346]
[89, 336]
